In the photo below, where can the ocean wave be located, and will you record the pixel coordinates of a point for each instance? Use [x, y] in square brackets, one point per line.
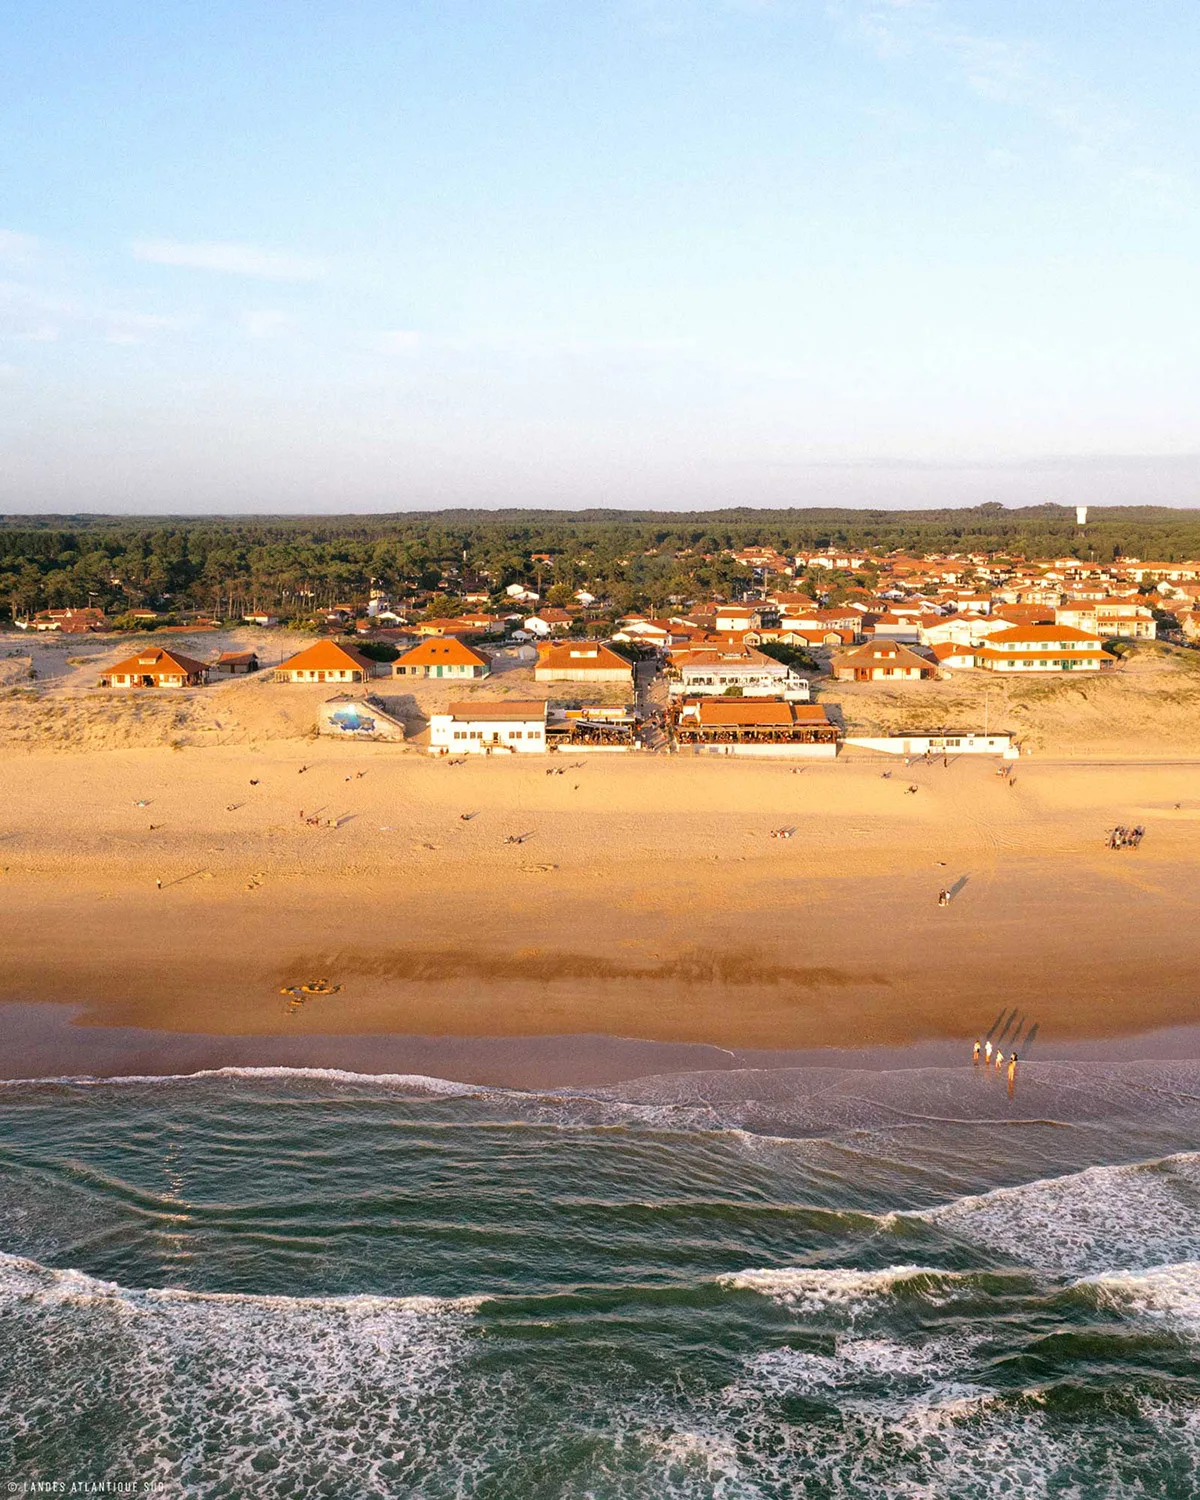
[1099, 1219]
[291, 1393]
[810, 1289]
[1168, 1293]
[419, 1082]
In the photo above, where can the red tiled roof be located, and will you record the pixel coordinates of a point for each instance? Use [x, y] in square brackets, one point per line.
[443, 651]
[327, 656]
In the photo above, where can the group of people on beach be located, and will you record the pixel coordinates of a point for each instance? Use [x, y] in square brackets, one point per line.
[1126, 838]
[983, 1054]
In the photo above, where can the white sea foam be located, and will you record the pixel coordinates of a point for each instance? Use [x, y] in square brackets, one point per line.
[419, 1082]
[1100, 1219]
[289, 1393]
[814, 1290]
[1169, 1294]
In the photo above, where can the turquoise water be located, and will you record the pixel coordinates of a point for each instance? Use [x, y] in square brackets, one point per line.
[747, 1284]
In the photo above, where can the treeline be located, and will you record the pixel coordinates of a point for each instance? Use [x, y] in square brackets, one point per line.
[635, 559]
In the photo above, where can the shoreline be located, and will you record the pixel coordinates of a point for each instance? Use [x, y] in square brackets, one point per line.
[45, 1043]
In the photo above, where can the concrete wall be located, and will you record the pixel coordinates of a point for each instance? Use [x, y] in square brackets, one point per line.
[920, 744]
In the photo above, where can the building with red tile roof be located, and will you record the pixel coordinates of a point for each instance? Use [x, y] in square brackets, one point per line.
[156, 668]
[442, 657]
[581, 661]
[326, 661]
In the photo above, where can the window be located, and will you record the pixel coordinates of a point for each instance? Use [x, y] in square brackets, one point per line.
[516, 734]
[475, 734]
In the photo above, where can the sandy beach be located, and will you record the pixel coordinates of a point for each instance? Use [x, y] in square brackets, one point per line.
[647, 900]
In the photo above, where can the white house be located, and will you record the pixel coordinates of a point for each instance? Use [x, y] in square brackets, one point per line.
[756, 675]
[548, 622]
[1112, 618]
[1043, 648]
[959, 630]
[489, 727]
[731, 617]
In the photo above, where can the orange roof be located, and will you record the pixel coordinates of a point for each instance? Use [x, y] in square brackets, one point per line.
[443, 651]
[718, 712]
[581, 656]
[155, 662]
[327, 656]
[1035, 633]
[876, 652]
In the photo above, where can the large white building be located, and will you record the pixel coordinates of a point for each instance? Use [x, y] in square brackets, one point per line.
[1114, 618]
[487, 727]
[756, 675]
[1043, 648]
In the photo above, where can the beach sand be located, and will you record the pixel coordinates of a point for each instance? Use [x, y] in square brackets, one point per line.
[648, 900]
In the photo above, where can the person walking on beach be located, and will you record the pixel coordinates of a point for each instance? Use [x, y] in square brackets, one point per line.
[1012, 1073]
[999, 1058]
[975, 1051]
[158, 885]
[987, 1053]
[943, 897]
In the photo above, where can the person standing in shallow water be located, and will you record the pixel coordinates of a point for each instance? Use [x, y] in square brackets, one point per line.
[975, 1051]
[1012, 1073]
[999, 1058]
[987, 1053]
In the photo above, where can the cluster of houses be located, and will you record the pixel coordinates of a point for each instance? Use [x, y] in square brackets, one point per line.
[738, 673]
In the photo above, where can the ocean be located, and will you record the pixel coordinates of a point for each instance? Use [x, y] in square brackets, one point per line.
[749, 1284]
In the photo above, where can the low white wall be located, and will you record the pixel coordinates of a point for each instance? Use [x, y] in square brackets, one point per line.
[920, 744]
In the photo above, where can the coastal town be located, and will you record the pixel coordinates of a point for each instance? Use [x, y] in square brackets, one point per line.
[762, 668]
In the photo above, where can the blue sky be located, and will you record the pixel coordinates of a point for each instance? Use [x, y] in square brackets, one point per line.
[675, 253]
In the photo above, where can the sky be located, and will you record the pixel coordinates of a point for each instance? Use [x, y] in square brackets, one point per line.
[297, 255]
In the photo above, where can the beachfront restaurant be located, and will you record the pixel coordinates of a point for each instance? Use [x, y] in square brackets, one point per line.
[732, 726]
[593, 727]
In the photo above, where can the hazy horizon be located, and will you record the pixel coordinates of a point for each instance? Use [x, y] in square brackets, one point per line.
[645, 254]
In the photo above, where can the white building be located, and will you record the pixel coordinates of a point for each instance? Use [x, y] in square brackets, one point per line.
[487, 727]
[1043, 648]
[1114, 618]
[712, 673]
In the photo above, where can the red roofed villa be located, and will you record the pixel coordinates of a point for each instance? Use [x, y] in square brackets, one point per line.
[326, 661]
[156, 668]
[445, 657]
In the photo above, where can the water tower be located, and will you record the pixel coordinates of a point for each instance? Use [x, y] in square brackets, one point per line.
[1081, 515]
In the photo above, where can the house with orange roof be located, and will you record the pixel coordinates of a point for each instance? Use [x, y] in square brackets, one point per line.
[156, 668]
[1044, 648]
[953, 656]
[326, 661]
[549, 622]
[442, 657]
[881, 661]
[581, 661]
[68, 621]
[445, 626]
[236, 663]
